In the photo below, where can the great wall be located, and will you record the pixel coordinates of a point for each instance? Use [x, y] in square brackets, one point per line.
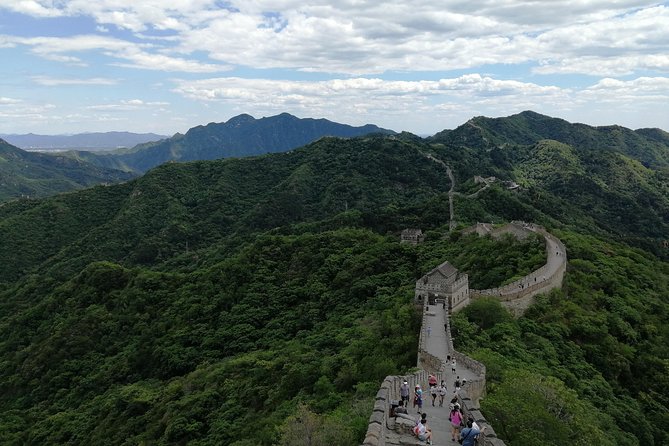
[438, 294]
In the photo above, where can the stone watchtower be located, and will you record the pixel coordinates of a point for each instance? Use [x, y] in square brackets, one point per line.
[443, 282]
[413, 236]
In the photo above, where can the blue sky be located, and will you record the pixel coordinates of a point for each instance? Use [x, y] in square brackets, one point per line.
[421, 66]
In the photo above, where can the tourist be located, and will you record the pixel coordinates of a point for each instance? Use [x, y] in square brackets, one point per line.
[442, 393]
[454, 402]
[404, 393]
[458, 383]
[423, 432]
[418, 398]
[453, 366]
[432, 380]
[433, 394]
[400, 408]
[455, 417]
[469, 434]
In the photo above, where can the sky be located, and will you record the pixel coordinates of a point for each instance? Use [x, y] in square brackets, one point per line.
[71, 66]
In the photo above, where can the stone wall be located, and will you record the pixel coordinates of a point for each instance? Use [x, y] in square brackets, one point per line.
[517, 295]
[384, 430]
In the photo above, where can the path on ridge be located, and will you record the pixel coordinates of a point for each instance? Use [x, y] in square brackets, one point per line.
[451, 192]
[437, 344]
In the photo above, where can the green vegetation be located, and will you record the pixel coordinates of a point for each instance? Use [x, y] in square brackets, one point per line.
[119, 356]
[204, 298]
[28, 174]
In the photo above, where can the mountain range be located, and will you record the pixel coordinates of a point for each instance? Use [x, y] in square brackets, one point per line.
[81, 141]
[184, 305]
[240, 136]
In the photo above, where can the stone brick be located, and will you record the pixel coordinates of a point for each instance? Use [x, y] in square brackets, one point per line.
[378, 417]
[380, 406]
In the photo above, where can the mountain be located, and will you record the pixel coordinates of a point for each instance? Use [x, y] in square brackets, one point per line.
[241, 136]
[81, 141]
[37, 175]
[649, 146]
[182, 306]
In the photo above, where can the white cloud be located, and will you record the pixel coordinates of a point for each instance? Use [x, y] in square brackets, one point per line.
[9, 101]
[419, 105]
[362, 100]
[636, 92]
[128, 105]
[160, 62]
[33, 8]
[136, 55]
[598, 37]
[54, 82]
[472, 85]
[23, 111]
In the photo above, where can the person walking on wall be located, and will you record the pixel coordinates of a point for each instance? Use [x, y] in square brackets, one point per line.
[418, 398]
[455, 418]
[404, 393]
[433, 394]
[442, 393]
[453, 366]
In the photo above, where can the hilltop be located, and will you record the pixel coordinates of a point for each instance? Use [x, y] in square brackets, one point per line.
[648, 146]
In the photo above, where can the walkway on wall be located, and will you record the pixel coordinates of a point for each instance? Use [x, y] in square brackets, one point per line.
[437, 344]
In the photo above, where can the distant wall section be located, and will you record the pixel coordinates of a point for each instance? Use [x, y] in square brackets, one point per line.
[518, 295]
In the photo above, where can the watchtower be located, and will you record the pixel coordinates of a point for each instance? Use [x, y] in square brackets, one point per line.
[443, 282]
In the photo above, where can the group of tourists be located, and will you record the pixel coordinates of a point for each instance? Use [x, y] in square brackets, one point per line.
[463, 430]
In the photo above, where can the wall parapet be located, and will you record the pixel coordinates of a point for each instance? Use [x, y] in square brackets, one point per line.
[381, 424]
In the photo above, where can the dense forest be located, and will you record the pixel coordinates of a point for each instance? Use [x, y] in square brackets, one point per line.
[30, 174]
[234, 301]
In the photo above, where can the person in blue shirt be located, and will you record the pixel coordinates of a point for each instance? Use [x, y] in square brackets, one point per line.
[469, 434]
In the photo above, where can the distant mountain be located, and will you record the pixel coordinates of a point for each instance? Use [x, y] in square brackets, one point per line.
[241, 136]
[37, 175]
[649, 146]
[85, 141]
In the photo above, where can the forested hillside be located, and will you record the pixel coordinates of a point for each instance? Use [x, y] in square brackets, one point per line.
[205, 297]
[27, 174]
